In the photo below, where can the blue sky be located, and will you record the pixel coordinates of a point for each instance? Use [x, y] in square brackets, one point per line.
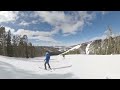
[60, 28]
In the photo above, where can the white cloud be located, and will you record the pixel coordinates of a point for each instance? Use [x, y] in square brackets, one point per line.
[104, 12]
[37, 43]
[7, 16]
[68, 23]
[98, 37]
[36, 35]
[72, 28]
[52, 17]
[32, 33]
[43, 38]
[24, 23]
[34, 22]
[9, 28]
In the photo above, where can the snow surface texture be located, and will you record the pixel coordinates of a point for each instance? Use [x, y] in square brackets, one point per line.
[72, 67]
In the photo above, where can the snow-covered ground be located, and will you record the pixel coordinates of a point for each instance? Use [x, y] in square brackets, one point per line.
[95, 66]
[72, 67]
[19, 68]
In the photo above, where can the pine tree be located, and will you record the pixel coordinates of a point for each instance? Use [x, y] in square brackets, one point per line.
[9, 46]
[30, 49]
[15, 40]
[14, 46]
[109, 49]
[21, 48]
[25, 40]
[2, 41]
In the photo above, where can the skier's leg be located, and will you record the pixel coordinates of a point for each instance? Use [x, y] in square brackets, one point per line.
[45, 66]
[49, 66]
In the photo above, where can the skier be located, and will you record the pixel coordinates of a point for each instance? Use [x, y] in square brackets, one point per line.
[63, 56]
[47, 55]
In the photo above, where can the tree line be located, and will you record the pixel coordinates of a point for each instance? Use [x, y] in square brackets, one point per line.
[19, 46]
[110, 45]
[15, 45]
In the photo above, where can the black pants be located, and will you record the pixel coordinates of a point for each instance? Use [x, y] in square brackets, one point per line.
[48, 65]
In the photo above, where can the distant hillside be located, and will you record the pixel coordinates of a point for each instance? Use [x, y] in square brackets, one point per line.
[40, 50]
[106, 46]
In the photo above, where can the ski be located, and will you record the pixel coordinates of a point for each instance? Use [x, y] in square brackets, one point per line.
[47, 69]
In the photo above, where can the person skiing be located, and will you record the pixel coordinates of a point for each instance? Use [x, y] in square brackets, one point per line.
[47, 58]
[63, 56]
